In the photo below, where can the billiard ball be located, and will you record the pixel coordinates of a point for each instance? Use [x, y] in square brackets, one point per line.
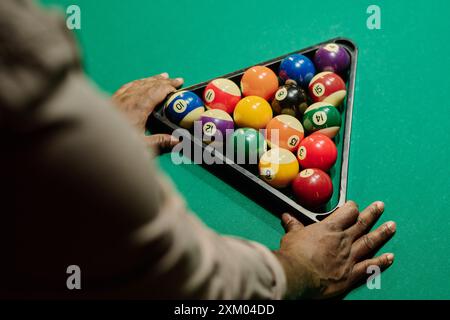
[297, 67]
[259, 81]
[322, 117]
[183, 108]
[317, 151]
[327, 87]
[312, 188]
[253, 112]
[222, 94]
[284, 131]
[216, 124]
[278, 167]
[332, 57]
[290, 99]
[246, 146]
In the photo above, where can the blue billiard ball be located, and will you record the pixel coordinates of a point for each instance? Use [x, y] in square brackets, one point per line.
[183, 108]
[297, 67]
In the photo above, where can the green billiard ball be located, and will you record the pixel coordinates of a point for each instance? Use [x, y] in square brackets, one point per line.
[322, 117]
[246, 146]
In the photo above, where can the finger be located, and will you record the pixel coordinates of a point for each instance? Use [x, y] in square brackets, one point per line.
[369, 243]
[290, 223]
[361, 270]
[122, 89]
[161, 142]
[161, 76]
[366, 219]
[177, 82]
[345, 216]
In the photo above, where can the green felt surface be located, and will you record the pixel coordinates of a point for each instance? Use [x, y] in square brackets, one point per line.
[399, 149]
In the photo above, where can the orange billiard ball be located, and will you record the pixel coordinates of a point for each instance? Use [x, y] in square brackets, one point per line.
[259, 81]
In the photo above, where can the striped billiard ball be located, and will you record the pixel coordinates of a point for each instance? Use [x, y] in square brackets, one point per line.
[216, 124]
[327, 87]
[322, 117]
[284, 131]
[278, 167]
[222, 94]
[183, 108]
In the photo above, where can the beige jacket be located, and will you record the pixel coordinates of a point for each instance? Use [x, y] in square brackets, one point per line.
[78, 187]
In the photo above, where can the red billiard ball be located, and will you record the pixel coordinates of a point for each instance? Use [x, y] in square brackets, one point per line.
[317, 151]
[222, 94]
[327, 87]
[312, 188]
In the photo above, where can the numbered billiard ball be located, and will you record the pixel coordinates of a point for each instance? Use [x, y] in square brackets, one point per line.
[284, 131]
[297, 67]
[327, 87]
[222, 94]
[259, 81]
[278, 167]
[312, 188]
[216, 125]
[253, 112]
[332, 57]
[246, 146]
[317, 151]
[322, 117]
[290, 99]
[183, 108]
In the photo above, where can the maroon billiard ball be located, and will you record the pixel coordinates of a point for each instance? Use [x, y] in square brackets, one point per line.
[312, 188]
[327, 87]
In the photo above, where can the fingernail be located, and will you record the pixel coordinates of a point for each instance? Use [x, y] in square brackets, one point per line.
[390, 258]
[164, 75]
[173, 139]
[286, 217]
[380, 205]
[391, 226]
[179, 79]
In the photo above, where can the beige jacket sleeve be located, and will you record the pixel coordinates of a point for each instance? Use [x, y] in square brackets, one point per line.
[78, 187]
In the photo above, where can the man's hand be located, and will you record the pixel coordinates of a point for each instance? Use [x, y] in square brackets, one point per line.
[138, 99]
[329, 258]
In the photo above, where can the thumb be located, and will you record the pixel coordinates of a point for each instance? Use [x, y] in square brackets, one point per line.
[161, 142]
[290, 223]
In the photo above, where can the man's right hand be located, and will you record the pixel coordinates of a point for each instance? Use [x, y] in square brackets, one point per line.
[329, 258]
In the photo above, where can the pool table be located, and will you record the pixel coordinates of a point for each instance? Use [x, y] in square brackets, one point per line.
[401, 119]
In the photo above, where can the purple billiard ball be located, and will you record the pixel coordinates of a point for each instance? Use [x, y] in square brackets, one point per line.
[332, 57]
[215, 123]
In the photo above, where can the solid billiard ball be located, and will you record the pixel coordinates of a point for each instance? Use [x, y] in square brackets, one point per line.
[259, 81]
[278, 167]
[322, 117]
[284, 131]
[297, 67]
[328, 87]
[183, 108]
[216, 124]
[332, 57]
[246, 146]
[253, 112]
[312, 188]
[290, 99]
[317, 151]
[222, 94]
